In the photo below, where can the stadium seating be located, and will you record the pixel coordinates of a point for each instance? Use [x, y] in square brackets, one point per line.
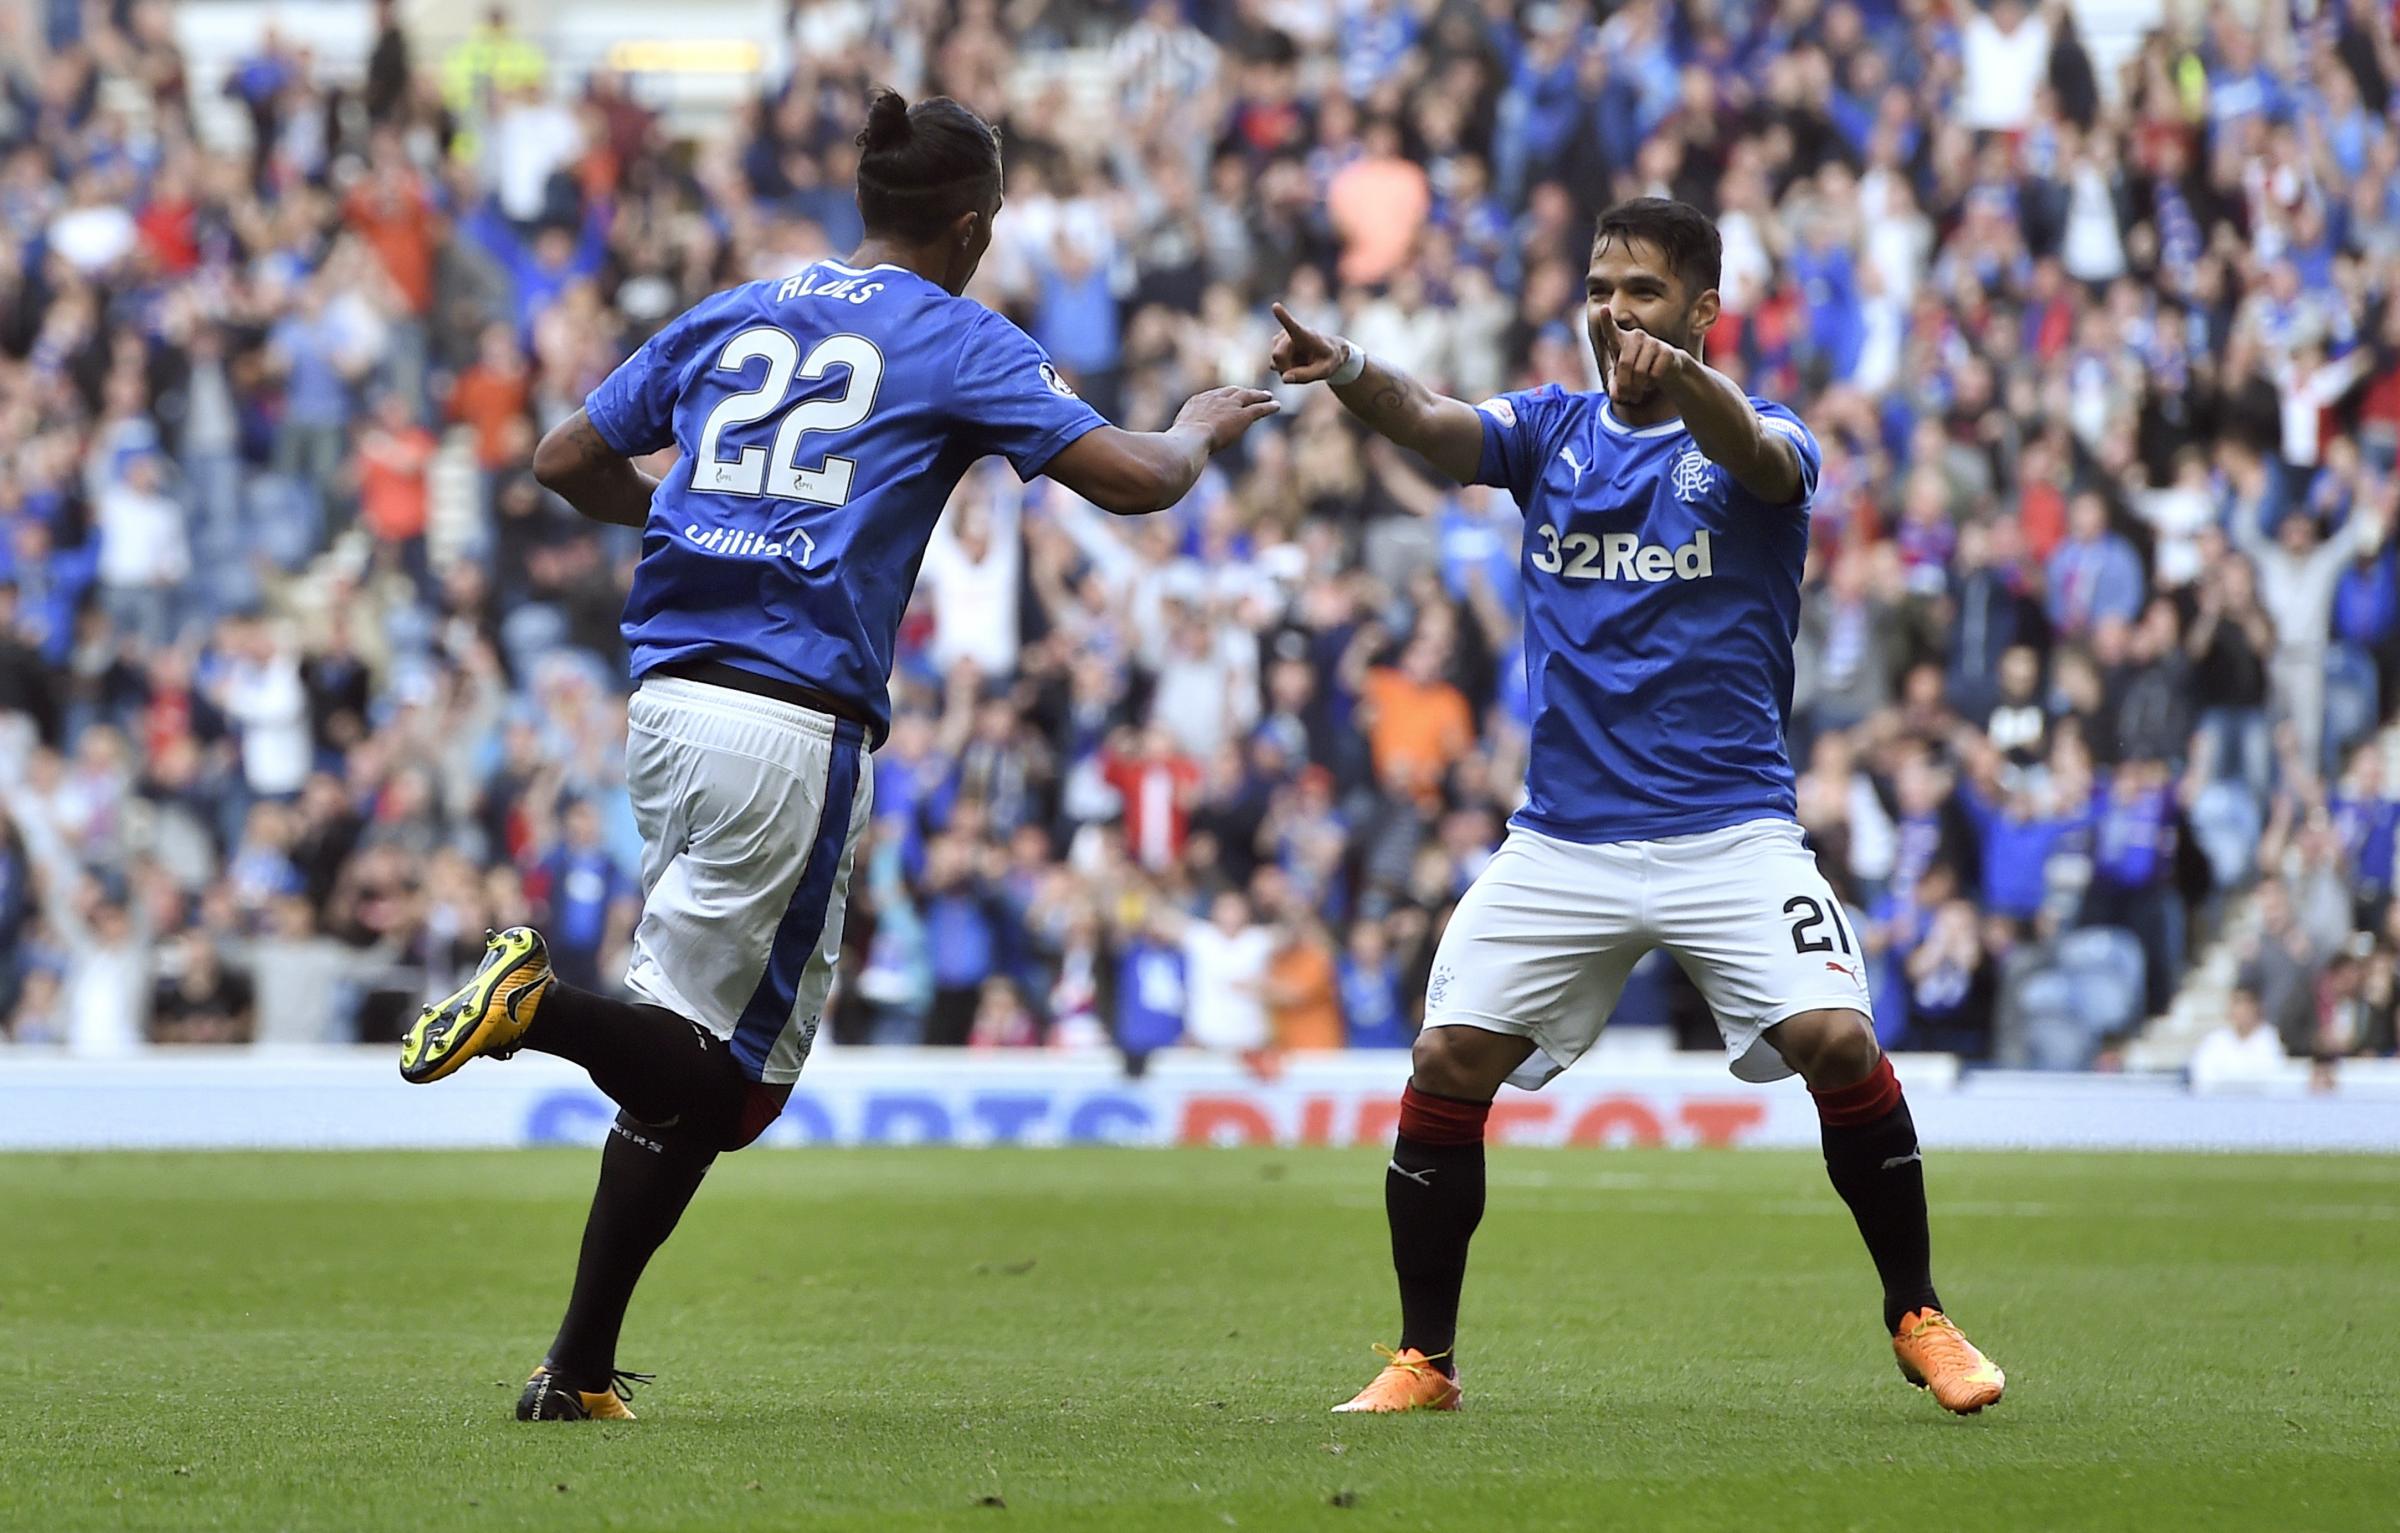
[2102, 355]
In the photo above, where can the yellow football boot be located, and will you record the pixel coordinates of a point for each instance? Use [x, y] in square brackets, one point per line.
[486, 1015]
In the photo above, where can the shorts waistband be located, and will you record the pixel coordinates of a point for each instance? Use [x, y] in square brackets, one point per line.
[702, 694]
[716, 673]
[1685, 841]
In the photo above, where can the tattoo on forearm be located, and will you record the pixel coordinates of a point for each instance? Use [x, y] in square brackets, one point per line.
[1381, 397]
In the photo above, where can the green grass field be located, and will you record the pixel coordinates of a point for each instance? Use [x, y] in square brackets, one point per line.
[1129, 1340]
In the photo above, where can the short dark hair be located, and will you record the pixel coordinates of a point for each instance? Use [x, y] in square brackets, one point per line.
[1681, 232]
[920, 167]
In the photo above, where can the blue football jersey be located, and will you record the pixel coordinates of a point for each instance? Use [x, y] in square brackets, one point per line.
[823, 419]
[1661, 600]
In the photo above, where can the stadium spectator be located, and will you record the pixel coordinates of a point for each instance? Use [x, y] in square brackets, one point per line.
[2095, 577]
[198, 1000]
[1372, 1014]
[2243, 1049]
[395, 459]
[1002, 1019]
[2230, 642]
[1418, 725]
[1303, 989]
[966, 935]
[587, 903]
[2134, 840]
[1225, 964]
[1947, 977]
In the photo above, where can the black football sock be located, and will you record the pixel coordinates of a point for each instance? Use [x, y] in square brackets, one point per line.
[647, 1178]
[1433, 1196]
[659, 1067]
[1871, 1156]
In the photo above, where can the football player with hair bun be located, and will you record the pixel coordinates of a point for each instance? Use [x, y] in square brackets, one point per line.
[822, 420]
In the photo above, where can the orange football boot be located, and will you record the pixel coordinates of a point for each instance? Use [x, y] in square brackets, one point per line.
[1935, 1355]
[1409, 1382]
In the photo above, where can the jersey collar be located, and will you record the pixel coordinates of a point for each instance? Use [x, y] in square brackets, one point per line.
[852, 271]
[1609, 419]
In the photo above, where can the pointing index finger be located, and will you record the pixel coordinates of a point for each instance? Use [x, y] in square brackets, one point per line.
[1292, 327]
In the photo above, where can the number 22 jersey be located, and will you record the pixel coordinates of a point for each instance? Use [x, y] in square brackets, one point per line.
[1661, 601]
[823, 420]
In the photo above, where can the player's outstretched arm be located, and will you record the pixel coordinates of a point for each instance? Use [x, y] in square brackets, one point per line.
[1714, 409]
[1133, 472]
[1446, 432]
[576, 464]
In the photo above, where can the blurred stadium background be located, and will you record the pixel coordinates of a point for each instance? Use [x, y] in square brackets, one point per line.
[304, 681]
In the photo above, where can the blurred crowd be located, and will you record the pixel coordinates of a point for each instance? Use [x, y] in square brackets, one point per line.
[304, 681]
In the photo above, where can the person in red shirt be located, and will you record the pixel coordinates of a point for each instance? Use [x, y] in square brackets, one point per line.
[395, 457]
[391, 211]
[1158, 785]
[169, 223]
[490, 395]
[2041, 502]
[388, 209]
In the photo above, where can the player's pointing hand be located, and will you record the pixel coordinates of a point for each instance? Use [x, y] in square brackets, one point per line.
[1226, 413]
[1635, 363]
[1302, 355]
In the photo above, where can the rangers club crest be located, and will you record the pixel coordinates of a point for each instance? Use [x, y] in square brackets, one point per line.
[1694, 476]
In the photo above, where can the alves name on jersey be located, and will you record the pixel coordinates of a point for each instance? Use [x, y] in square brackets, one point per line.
[823, 420]
[1661, 601]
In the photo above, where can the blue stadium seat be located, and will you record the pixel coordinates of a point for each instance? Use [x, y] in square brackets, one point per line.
[2103, 970]
[2226, 822]
[2350, 701]
[529, 633]
[2051, 1034]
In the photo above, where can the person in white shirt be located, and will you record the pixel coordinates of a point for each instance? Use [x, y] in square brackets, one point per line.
[2007, 57]
[2298, 571]
[532, 137]
[103, 936]
[263, 695]
[2244, 1050]
[2092, 249]
[970, 573]
[1207, 689]
[144, 554]
[94, 232]
[1225, 974]
[2179, 514]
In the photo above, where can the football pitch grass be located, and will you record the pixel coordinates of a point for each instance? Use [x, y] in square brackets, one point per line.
[1130, 1340]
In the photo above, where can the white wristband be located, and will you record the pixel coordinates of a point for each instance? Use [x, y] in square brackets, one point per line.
[1354, 362]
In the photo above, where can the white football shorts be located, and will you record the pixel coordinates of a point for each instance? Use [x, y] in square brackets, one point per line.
[1540, 945]
[750, 810]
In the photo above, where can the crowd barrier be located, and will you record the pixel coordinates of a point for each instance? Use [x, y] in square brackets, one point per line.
[354, 1099]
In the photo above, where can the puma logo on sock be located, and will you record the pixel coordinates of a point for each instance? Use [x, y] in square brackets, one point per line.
[1422, 1178]
[1902, 1160]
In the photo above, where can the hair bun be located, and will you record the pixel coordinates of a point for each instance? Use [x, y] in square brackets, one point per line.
[887, 123]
